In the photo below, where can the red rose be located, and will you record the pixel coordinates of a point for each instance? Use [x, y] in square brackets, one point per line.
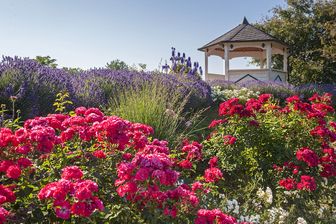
[24, 162]
[307, 155]
[185, 164]
[229, 139]
[62, 209]
[99, 154]
[288, 184]
[307, 183]
[213, 161]
[212, 174]
[72, 172]
[13, 172]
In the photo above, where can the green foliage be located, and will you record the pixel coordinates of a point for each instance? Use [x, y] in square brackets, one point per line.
[12, 122]
[142, 67]
[61, 102]
[117, 65]
[121, 65]
[46, 60]
[153, 104]
[309, 27]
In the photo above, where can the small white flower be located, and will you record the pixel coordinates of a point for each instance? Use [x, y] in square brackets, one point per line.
[269, 195]
[260, 193]
[232, 206]
[250, 219]
[277, 214]
[266, 196]
[243, 94]
[188, 124]
[221, 196]
[301, 220]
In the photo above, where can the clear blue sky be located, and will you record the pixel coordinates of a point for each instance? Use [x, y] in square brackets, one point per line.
[88, 33]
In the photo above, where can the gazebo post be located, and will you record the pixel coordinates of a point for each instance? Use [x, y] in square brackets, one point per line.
[262, 63]
[285, 63]
[227, 63]
[206, 65]
[285, 56]
[269, 59]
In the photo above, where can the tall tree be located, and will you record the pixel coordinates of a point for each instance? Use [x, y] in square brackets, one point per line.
[46, 60]
[121, 65]
[309, 27]
[117, 65]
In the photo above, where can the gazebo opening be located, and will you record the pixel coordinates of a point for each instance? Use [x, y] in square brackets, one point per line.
[215, 65]
[243, 63]
[247, 41]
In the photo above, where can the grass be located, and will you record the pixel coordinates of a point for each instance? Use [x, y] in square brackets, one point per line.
[152, 103]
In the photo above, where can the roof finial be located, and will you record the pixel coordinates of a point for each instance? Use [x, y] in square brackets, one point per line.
[245, 21]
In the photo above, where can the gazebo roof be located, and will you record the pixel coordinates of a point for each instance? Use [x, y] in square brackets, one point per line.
[244, 32]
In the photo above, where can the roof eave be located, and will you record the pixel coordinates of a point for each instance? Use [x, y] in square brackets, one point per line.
[245, 41]
[202, 49]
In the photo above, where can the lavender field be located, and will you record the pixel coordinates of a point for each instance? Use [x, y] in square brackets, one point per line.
[35, 86]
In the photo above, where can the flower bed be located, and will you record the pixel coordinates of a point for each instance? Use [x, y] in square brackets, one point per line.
[88, 167]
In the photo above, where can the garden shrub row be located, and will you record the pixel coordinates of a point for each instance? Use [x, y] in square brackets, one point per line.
[34, 86]
[279, 90]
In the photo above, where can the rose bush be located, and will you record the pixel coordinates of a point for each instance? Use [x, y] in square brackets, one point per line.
[287, 148]
[86, 167]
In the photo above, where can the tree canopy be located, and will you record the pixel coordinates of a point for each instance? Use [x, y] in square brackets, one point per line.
[117, 65]
[121, 65]
[46, 60]
[309, 27]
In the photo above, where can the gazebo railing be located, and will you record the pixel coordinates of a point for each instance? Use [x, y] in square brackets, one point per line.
[237, 75]
[213, 76]
[278, 75]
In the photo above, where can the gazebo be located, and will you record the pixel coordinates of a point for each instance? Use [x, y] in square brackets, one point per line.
[245, 40]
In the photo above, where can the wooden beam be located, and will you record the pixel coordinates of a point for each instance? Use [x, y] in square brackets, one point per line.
[285, 58]
[269, 59]
[227, 62]
[206, 72]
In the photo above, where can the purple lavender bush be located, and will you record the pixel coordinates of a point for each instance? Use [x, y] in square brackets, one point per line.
[185, 71]
[35, 86]
[96, 86]
[182, 65]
